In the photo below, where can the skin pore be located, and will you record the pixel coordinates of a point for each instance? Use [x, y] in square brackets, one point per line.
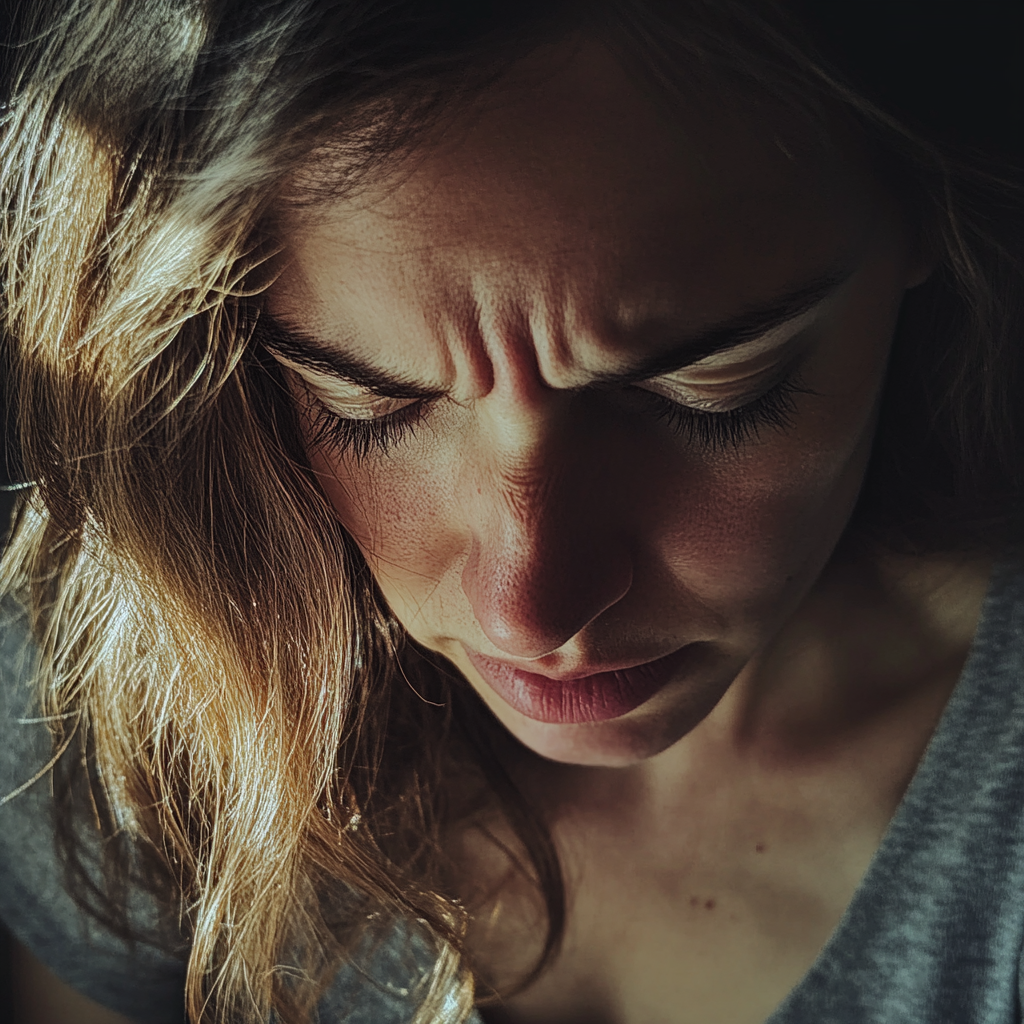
[528, 501]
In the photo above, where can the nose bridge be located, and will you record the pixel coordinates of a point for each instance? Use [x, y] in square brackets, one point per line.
[526, 492]
[547, 555]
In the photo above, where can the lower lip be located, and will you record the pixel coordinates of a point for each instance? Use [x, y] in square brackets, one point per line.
[595, 698]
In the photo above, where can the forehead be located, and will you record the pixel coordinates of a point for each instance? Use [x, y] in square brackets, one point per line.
[567, 205]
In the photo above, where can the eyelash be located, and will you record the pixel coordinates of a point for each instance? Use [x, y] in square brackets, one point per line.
[361, 437]
[712, 431]
[715, 431]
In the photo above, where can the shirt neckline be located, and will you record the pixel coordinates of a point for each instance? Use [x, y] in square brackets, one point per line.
[1005, 584]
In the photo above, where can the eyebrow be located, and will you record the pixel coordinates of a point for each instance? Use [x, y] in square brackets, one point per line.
[323, 357]
[738, 330]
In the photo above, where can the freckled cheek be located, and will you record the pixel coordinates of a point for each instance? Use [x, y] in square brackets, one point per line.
[399, 513]
[398, 510]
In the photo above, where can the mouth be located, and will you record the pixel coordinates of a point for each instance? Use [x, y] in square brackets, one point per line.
[590, 698]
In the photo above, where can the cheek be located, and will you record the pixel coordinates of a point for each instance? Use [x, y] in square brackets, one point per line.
[394, 510]
[785, 503]
[743, 530]
[401, 515]
[738, 539]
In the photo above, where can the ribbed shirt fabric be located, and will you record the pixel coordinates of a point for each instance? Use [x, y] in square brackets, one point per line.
[933, 935]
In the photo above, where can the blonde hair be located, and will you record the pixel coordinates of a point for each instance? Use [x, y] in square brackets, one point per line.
[249, 710]
[177, 558]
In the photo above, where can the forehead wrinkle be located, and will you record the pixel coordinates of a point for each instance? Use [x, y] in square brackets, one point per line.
[508, 338]
[535, 328]
[557, 323]
[534, 332]
[576, 345]
[457, 319]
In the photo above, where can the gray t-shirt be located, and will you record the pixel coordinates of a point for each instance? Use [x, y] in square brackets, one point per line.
[934, 932]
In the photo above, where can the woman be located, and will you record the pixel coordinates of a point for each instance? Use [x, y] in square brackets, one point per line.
[514, 489]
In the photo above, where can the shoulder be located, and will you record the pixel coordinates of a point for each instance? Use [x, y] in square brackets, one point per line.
[65, 954]
[134, 979]
[40, 997]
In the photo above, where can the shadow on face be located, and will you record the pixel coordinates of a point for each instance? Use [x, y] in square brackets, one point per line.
[591, 387]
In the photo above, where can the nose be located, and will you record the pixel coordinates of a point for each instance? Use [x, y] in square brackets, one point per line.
[547, 554]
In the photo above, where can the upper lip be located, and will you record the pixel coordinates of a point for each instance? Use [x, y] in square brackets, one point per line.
[568, 675]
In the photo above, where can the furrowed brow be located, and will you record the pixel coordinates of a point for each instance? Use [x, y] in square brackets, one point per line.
[322, 357]
[738, 330]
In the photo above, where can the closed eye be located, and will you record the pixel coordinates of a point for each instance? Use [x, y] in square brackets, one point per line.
[728, 408]
[714, 423]
[364, 435]
[374, 407]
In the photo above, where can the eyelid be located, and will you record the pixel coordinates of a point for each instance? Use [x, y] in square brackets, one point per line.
[335, 389]
[359, 405]
[717, 397]
[758, 350]
[741, 374]
[375, 409]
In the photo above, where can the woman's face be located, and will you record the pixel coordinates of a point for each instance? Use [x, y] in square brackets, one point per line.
[594, 391]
